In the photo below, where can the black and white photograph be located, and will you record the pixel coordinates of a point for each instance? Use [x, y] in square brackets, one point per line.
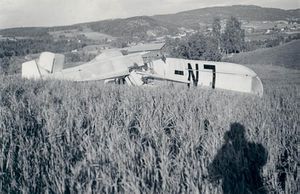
[149, 96]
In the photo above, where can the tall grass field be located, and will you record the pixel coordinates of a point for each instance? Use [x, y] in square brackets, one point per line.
[67, 137]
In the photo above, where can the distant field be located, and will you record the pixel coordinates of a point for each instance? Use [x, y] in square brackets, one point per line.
[263, 37]
[97, 36]
[64, 137]
[89, 34]
[286, 55]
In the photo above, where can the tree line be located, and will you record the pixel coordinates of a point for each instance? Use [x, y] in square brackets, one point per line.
[210, 46]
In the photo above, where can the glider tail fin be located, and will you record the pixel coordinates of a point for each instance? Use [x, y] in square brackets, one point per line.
[46, 64]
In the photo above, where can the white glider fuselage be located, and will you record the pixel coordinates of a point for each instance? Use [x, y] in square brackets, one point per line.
[134, 69]
[221, 75]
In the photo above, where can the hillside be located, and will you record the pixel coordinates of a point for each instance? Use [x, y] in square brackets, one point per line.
[243, 12]
[141, 27]
[286, 55]
[130, 27]
[25, 32]
[159, 25]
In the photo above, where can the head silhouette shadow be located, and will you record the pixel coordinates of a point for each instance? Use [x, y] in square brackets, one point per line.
[238, 164]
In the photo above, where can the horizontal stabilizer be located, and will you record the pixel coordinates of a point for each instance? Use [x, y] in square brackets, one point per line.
[30, 70]
[135, 79]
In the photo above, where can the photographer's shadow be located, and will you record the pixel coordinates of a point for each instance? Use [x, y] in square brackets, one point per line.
[239, 163]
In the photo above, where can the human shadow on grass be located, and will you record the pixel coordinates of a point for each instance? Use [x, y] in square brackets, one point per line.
[239, 163]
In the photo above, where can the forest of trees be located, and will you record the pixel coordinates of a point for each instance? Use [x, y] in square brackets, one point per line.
[11, 49]
[23, 47]
[30, 32]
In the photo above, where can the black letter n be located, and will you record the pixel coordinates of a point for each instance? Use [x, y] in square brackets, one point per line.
[191, 74]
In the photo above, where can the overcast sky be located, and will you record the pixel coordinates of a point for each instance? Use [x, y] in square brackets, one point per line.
[15, 13]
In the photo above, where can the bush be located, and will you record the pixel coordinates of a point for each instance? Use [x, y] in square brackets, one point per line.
[196, 47]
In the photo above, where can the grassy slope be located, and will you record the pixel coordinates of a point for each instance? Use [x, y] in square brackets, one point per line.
[286, 55]
[82, 137]
[164, 24]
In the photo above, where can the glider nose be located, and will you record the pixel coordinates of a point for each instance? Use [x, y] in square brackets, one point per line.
[257, 86]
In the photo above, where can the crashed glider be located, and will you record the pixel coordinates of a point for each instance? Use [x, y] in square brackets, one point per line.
[138, 69]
